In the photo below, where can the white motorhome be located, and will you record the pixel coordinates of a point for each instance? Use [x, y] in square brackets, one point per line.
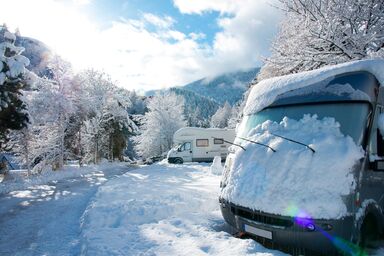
[194, 144]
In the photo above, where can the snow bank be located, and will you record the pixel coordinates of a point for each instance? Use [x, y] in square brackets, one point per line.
[216, 167]
[162, 209]
[18, 179]
[264, 93]
[293, 176]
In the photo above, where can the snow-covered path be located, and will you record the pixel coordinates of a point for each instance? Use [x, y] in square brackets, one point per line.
[161, 210]
[45, 219]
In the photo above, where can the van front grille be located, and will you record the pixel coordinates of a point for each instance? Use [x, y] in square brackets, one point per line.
[261, 218]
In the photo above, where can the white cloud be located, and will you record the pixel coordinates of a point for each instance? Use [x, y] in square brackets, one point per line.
[159, 22]
[82, 2]
[200, 6]
[248, 27]
[143, 59]
[197, 36]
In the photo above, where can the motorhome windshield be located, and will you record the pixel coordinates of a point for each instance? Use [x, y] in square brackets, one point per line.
[352, 116]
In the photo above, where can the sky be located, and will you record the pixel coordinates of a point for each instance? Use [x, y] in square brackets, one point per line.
[150, 44]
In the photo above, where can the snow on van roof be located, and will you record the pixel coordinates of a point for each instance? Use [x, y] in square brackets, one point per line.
[264, 93]
[186, 131]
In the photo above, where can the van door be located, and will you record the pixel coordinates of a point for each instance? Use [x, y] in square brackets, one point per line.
[185, 151]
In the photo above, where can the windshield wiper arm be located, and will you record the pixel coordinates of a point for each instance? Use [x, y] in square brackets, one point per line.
[258, 143]
[231, 143]
[294, 141]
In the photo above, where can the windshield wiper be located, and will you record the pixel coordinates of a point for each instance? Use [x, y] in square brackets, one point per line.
[294, 141]
[255, 142]
[231, 143]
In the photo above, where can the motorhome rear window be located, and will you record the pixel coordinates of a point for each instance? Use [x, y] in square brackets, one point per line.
[202, 143]
[218, 141]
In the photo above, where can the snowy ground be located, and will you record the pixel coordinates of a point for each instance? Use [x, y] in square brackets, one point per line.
[43, 216]
[114, 209]
[162, 210]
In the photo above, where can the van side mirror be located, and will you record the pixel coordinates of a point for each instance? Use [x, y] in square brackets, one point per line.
[179, 150]
[379, 165]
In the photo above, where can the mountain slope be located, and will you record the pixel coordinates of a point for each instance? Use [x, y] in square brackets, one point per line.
[197, 103]
[227, 87]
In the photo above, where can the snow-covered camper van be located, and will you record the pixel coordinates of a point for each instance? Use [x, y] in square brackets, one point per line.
[308, 174]
[194, 144]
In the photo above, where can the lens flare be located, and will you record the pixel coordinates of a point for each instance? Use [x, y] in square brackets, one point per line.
[300, 217]
[303, 219]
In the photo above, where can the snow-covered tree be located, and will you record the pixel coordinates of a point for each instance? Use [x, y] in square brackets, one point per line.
[323, 32]
[235, 117]
[164, 118]
[62, 105]
[194, 118]
[107, 126]
[13, 78]
[39, 145]
[198, 109]
[221, 117]
[138, 105]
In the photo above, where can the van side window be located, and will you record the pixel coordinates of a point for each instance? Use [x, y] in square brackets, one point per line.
[202, 143]
[218, 141]
[185, 147]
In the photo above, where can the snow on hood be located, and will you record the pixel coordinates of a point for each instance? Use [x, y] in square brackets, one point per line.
[293, 176]
[264, 93]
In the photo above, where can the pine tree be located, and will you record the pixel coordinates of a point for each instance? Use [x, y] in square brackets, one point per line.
[13, 78]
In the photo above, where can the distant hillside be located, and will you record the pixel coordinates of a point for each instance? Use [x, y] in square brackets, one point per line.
[193, 101]
[227, 87]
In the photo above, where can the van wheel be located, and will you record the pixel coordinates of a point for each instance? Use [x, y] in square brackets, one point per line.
[178, 161]
[369, 236]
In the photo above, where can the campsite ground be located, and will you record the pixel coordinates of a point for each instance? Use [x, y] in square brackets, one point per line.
[114, 209]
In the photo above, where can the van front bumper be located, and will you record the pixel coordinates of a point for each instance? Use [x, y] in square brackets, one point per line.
[295, 236]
